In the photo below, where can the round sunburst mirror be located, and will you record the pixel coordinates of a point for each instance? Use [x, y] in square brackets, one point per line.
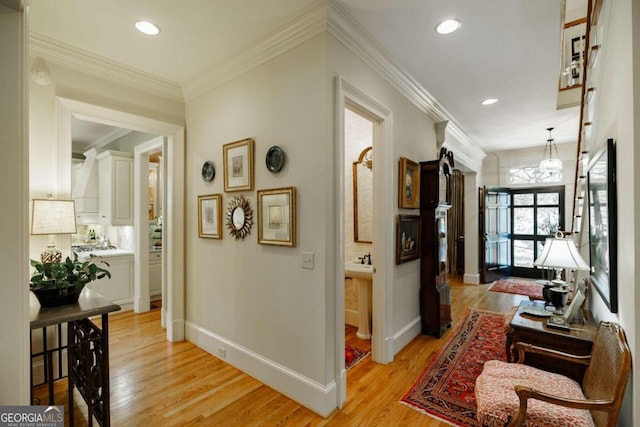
[239, 217]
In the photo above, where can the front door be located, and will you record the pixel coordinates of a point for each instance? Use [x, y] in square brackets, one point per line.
[537, 214]
[495, 230]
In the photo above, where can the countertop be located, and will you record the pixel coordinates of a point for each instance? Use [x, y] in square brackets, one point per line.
[105, 253]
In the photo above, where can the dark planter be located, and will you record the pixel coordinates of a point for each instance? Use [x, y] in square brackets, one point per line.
[54, 297]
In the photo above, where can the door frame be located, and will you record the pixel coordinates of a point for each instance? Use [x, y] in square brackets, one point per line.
[383, 225]
[173, 239]
[534, 272]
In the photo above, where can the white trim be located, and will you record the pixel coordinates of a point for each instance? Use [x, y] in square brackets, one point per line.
[473, 279]
[89, 63]
[310, 24]
[309, 393]
[354, 37]
[141, 295]
[405, 335]
[173, 239]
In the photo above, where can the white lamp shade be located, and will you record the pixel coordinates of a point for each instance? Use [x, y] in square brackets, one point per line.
[561, 253]
[551, 164]
[53, 217]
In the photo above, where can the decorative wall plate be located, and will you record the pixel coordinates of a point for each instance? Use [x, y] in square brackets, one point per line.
[275, 159]
[239, 217]
[208, 171]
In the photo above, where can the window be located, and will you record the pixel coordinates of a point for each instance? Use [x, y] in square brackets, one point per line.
[532, 175]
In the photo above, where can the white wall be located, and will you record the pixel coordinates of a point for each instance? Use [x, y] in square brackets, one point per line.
[14, 293]
[256, 301]
[496, 166]
[617, 117]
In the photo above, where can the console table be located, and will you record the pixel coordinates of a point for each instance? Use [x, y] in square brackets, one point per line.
[87, 350]
[534, 330]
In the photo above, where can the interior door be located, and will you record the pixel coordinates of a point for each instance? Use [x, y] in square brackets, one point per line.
[495, 233]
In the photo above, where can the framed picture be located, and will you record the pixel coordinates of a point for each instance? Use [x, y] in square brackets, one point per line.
[409, 191]
[210, 216]
[238, 165]
[407, 238]
[277, 216]
[601, 189]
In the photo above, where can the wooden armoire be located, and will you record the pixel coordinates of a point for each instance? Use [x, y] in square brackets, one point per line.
[435, 292]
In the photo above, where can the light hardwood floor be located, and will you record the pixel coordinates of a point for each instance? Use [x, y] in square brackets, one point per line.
[158, 383]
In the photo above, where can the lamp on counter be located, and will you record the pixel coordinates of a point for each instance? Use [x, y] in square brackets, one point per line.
[551, 162]
[559, 253]
[49, 216]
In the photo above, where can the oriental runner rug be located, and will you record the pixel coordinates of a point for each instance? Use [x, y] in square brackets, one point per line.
[510, 285]
[446, 389]
[353, 356]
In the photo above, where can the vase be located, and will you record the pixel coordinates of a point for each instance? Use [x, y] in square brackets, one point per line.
[54, 297]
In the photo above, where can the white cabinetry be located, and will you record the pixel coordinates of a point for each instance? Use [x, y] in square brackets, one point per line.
[118, 289]
[155, 275]
[116, 187]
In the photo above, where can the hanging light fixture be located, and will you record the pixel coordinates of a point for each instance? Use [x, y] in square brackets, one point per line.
[551, 161]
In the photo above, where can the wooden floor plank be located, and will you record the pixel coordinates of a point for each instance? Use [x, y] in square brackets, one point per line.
[158, 383]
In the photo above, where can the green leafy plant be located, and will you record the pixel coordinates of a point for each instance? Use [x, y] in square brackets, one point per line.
[58, 275]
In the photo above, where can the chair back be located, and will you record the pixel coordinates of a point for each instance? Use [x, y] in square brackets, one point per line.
[608, 372]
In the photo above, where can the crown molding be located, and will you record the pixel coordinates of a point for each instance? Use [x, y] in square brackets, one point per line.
[342, 26]
[86, 62]
[311, 23]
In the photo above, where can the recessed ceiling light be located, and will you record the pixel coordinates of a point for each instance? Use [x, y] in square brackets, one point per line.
[148, 28]
[489, 101]
[448, 26]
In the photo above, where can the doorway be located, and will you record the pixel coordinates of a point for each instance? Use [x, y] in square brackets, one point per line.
[383, 228]
[514, 224]
[173, 240]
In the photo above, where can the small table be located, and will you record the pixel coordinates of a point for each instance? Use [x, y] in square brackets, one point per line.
[534, 330]
[87, 350]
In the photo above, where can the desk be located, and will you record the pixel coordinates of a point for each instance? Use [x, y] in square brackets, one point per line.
[87, 350]
[533, 330]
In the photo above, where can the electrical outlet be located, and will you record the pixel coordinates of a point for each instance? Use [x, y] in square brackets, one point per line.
[222, 352]
[307, 260]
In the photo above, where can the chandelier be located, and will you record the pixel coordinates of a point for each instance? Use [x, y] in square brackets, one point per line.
[551, 161]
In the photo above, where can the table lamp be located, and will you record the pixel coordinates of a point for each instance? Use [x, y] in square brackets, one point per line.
[560, 253]
[49, 216]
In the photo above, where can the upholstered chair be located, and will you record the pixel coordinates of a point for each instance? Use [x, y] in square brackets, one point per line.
[515, 394]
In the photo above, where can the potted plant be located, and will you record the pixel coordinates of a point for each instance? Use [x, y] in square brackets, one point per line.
[59, 283]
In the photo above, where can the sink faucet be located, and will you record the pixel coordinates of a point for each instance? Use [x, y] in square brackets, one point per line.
[368, 258]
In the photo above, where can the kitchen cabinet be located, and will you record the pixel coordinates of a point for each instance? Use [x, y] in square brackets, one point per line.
[118, 289]
[116, 187]
[155, 275]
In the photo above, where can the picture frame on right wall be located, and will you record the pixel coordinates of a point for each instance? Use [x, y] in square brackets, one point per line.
[407, 238]
[601, 190]
[409, 188]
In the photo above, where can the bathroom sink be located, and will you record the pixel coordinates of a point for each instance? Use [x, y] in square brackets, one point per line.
[356, 270]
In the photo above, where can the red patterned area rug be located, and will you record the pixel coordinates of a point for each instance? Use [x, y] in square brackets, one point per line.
[353, 356]
[511, 285]
[446, 389]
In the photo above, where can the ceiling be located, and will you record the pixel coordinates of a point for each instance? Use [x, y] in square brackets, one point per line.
[505, 49]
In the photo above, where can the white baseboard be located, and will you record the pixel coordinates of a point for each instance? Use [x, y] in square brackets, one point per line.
[405, 335]
[473, 279]
[321, 399]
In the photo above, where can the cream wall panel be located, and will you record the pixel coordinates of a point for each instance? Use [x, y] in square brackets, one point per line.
[258, 296]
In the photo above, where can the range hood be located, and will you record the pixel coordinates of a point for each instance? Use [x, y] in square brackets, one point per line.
[85, 189]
